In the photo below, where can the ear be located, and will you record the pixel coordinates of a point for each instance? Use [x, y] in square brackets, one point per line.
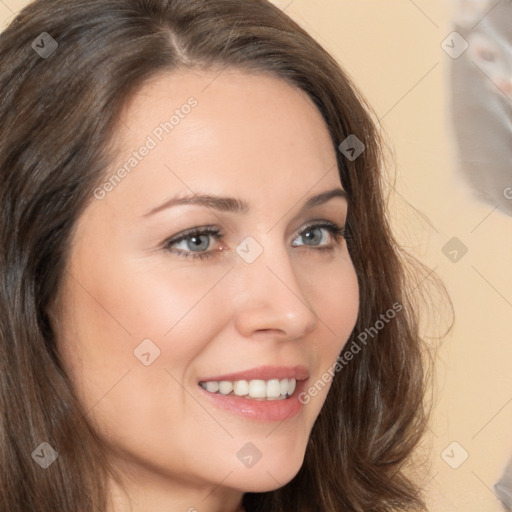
[468, 12]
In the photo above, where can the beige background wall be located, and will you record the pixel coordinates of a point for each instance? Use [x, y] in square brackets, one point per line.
[392, 49]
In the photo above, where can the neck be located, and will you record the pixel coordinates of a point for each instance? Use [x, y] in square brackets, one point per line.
[143, 495]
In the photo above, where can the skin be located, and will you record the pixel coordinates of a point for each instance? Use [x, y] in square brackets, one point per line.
[253, 137]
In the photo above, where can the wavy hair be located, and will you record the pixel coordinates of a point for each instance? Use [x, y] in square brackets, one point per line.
[58, 119]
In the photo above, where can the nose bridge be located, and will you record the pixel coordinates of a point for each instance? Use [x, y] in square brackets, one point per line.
[270, 295]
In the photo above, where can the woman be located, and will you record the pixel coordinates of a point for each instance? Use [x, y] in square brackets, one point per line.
[203, 307]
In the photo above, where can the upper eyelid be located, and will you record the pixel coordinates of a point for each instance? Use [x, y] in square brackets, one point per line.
[210, 227]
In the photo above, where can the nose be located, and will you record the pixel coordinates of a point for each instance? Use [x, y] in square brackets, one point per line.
[270, 300]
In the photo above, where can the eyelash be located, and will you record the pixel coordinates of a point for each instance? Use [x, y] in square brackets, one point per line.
[338, 233]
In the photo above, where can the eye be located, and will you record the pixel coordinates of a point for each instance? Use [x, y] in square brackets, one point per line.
[195, 242]
[317, 235]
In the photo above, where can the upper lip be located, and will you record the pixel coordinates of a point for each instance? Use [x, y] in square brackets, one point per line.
[298, 372]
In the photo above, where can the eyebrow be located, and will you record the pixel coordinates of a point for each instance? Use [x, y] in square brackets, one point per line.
[233, 205]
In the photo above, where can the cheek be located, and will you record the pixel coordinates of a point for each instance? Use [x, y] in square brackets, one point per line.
[111, 326]
[145, 298]
[336, 301]
[172, 318]
[115, 312]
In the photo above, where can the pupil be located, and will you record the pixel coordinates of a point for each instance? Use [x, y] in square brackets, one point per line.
[196, 242]
[310, 236]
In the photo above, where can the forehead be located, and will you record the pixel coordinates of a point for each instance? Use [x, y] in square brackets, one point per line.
[215, 129]
[231, 104]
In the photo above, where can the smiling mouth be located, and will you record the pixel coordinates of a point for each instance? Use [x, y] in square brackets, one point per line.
[255, 389]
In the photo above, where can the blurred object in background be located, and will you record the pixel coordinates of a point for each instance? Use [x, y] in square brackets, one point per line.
[481, 107]
[504, 487]
[481, 99]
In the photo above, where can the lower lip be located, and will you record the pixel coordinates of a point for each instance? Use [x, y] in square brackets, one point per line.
[260, 410]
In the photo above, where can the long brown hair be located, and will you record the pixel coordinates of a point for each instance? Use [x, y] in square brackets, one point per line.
[58, 116]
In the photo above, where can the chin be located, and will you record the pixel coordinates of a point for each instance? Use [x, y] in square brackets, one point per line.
[266, 478]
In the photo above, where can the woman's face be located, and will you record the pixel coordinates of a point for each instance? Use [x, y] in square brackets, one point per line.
[143, 317]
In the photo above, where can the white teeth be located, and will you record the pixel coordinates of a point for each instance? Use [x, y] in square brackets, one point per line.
[273, 388]
[283, 384]
[240, 387]
[212, 386]
[225, 387]
[259, 389]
